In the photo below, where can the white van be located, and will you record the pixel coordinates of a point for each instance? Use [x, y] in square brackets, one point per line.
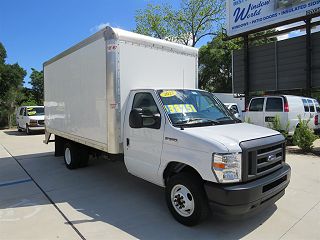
[234, 109]
[262, 111]
[30, 118]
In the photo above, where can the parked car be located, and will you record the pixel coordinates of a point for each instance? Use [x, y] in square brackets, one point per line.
[30, 118]
[234, 109]
[263, 110]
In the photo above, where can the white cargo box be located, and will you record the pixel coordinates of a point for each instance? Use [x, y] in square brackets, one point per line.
[86, 86]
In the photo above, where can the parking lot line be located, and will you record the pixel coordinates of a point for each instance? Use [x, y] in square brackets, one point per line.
[4, 184]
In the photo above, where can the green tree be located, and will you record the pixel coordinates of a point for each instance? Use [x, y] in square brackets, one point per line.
[194, 20]
[11, 81]
[26, 98]
[37, 83]
[215, 64]
[215, 61]
[3, 54]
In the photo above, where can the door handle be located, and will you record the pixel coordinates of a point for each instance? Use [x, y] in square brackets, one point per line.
[128, 142]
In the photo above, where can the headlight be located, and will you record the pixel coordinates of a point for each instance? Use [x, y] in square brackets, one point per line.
[227, 167]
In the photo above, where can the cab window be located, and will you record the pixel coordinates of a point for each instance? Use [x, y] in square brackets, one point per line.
[256, 105]
[311, 106]
[21, 111]
[146, 102]
[305, 105]
[274, 104]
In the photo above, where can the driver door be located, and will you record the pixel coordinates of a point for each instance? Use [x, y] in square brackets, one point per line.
[143, 146]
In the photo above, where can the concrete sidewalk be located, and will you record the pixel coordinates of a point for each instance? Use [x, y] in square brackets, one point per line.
[103, 201]
[25, 213]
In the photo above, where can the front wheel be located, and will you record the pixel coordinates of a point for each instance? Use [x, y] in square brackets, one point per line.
[18, 127]
[186, 199]
[28, 131]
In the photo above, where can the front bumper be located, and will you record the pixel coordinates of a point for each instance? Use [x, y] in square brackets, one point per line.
[36, 128]
[237, 199]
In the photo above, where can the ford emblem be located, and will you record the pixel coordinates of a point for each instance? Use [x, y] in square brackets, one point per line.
[271, 157]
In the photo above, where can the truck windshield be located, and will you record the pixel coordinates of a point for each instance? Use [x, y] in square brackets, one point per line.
[194, 108]
[35, 111]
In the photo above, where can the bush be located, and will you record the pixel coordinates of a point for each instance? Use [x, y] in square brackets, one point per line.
[304, 136]
[276, 125]
[247, 120]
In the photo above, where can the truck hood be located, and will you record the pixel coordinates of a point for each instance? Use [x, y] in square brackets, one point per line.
[36, 117]
[233, 132]
[221, 137]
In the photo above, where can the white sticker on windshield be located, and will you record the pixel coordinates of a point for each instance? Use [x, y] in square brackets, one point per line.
[194, 93]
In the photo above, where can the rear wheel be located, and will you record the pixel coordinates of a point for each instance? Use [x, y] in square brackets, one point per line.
[186, 199]
[59, 143]
[84, 156]
[71, 156]
[75, 155]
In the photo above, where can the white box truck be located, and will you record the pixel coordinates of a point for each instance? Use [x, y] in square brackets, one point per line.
[124, 94]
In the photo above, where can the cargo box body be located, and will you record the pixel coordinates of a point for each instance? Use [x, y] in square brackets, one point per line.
[86, 87]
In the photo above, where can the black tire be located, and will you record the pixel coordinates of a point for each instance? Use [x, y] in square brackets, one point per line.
[71, 155]
[84, 155]
[28, 131]
[58, 146]
[195, 186]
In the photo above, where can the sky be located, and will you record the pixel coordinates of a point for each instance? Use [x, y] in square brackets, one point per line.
[296, 33]
[33, 31]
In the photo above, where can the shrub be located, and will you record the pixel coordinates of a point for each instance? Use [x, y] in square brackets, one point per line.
[276, 125]
[303, 136]
[247, 120]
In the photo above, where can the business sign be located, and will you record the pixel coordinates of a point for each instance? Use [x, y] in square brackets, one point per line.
[247, 15]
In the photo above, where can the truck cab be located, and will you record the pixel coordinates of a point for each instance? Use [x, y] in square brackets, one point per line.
[189, 143]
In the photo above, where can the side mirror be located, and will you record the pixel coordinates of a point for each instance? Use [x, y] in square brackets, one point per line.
[139, 118]
[135, 118]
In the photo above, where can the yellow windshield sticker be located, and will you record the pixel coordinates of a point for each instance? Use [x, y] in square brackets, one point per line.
[166, 94]
[30, 108]
[180, 108]
[32, 113]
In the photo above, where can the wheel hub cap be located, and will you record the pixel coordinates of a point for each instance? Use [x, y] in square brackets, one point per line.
[67, 156]
[182, 200]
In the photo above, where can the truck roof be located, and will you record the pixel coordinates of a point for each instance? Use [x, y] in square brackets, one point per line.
[284, 95]
[123, 35]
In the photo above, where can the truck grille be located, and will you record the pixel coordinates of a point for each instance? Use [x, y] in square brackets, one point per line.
[262, 156]
[41, 122]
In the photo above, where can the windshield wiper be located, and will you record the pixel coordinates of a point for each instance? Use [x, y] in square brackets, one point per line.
[192, 121]
[230, 119]
[225, 118]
